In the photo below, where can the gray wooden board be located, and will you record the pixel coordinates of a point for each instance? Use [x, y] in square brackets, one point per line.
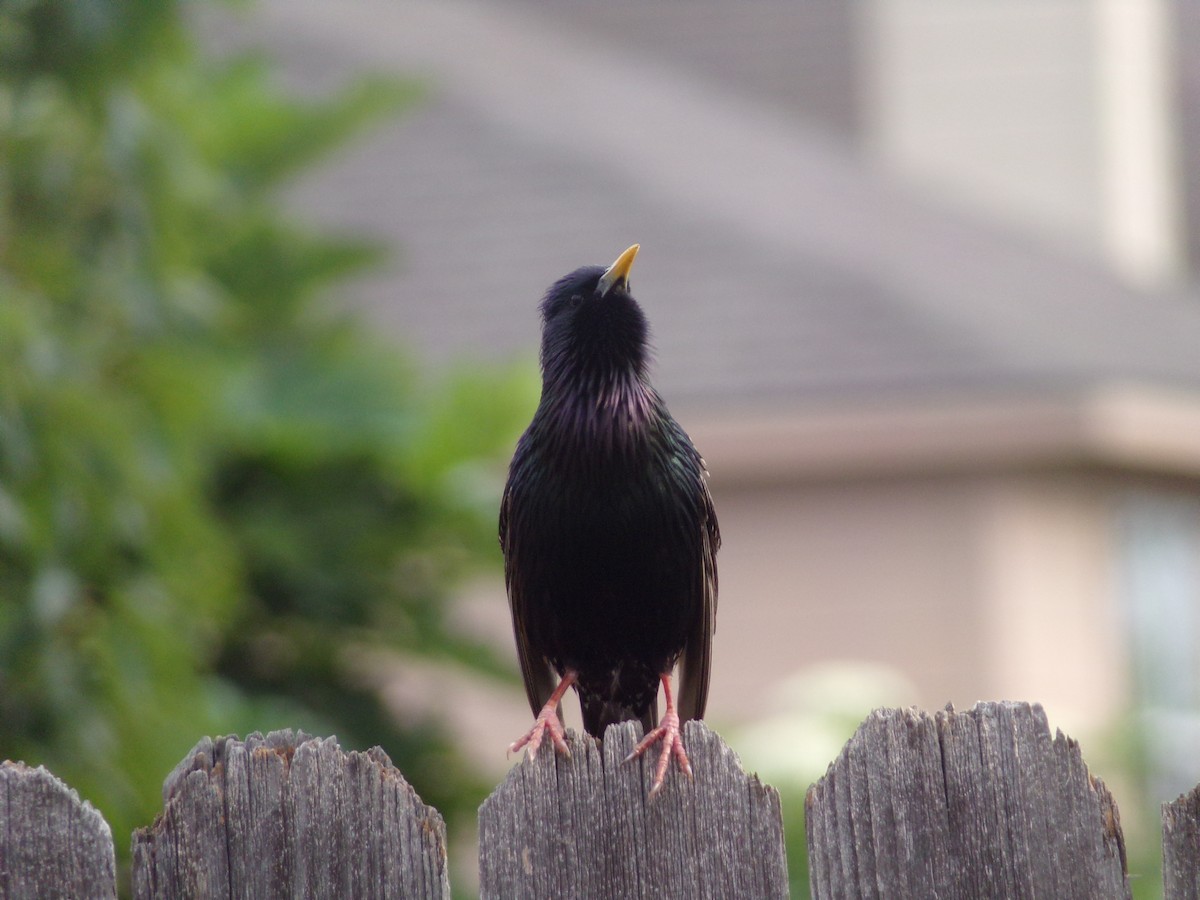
[289, 816]
[52, 844]
[969, 805]
[1181, 847]
[586, 827]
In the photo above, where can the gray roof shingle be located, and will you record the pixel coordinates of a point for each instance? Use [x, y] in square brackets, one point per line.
[777, 269]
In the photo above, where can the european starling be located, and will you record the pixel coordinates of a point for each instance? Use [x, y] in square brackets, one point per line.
[608, 529]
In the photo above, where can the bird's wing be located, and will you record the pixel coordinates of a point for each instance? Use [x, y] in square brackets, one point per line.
[536, 672]
[697, 654]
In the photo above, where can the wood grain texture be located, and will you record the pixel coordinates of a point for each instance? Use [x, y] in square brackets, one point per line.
[584, 827]
[967, 805]
[52, 844]
[1181, 847]
[289, 816]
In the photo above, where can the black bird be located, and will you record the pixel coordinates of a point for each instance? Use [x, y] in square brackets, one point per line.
[608, 529]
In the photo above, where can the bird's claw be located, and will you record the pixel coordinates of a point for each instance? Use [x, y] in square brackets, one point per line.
[547, 720]
[671, 736]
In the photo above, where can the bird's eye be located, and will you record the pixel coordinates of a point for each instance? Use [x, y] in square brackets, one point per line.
[576, 299]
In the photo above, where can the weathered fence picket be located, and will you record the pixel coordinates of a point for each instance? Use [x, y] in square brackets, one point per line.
[1181, 847]
[587, 827]
[289, 816]
[976, 804]
[52, 844]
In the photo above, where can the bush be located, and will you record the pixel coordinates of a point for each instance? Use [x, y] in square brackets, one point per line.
[215, 495]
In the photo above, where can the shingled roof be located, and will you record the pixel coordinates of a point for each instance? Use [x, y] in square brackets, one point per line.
[778, 270]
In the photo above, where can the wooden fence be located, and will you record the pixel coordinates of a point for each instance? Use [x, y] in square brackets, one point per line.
[977, 804]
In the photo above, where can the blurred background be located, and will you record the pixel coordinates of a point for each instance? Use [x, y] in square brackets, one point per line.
[922, 283]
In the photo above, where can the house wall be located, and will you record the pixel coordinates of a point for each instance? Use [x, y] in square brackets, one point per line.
[972, 586]
[1050, 583]
[993, 104]
[1058, 116]
[877, 571]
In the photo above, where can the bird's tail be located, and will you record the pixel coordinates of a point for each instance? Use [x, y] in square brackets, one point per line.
[599, 713]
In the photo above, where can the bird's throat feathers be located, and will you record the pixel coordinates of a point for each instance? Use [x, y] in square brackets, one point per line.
[596, 393]
[605, 411]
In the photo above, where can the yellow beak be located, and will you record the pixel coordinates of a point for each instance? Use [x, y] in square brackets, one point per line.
[618, 272]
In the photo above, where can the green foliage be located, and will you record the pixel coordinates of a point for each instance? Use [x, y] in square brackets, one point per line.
[216, 499]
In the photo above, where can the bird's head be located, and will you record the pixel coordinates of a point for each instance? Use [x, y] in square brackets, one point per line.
[592, 328]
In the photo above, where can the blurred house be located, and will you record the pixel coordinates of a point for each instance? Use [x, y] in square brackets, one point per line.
[917, 275]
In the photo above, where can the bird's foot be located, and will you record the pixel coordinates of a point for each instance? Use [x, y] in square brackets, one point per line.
[670, 735]
[547, 721]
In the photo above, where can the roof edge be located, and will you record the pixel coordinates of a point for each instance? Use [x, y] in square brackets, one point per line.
[1127, 425]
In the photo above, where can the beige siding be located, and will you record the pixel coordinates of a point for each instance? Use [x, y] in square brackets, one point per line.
[973, 587]
[880, 572]
[1058, 116]
[1050, 596]
[992, 104]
